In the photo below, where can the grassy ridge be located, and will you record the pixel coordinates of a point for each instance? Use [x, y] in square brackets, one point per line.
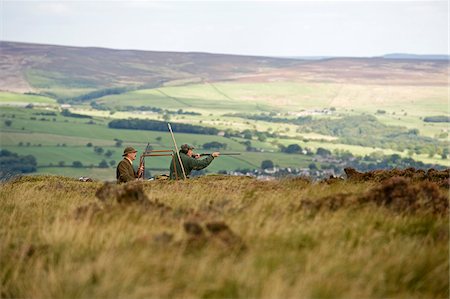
[59, 240]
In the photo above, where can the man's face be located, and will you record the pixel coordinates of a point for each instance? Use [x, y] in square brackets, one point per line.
[132, 156]
[189, 153]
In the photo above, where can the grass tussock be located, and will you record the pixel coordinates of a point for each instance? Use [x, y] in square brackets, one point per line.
[440, 177]
[225, 237]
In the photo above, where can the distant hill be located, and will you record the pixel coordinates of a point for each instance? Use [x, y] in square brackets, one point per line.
[415, 56]
[33, 66]
[64, 72]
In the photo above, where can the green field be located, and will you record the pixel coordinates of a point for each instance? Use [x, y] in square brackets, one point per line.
[55, 138]
[290, 96]
[404, 105]
[65, 139]
[9, 98]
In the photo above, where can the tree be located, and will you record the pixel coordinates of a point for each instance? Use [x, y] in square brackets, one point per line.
[11, 164]
[445, 153]
[247, 134]
[323, 152]
[77, 164]
[99, 150]
[413, 132]
[266, 164]
[312, 166]
[118, 142]
[103, 164]
[293, 149]
[261, 136]
[8, 123]
[109, 153]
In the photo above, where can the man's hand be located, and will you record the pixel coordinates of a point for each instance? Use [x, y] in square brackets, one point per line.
[215, 154]
[140, 171]
[196, 156]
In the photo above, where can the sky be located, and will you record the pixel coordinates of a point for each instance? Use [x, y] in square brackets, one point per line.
[264, 28]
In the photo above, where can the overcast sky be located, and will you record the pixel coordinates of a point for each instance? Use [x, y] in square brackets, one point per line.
[274, 28]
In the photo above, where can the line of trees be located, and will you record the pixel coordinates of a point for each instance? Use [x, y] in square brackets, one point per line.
[437, 119]
[98, 94]
[156, 125]
[67, 113]
[214, 145]
[12, 164]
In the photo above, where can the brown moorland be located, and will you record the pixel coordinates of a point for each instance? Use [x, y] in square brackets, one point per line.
[225, 237]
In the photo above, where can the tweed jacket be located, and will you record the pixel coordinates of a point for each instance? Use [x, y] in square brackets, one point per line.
[189, 164]
[125, 172]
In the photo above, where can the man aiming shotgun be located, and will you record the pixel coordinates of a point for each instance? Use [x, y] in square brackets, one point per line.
[189, 163]
[185, 160]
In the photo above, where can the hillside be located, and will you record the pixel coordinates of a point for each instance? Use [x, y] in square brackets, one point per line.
[46, 67]
[370, 236]
[64, 71]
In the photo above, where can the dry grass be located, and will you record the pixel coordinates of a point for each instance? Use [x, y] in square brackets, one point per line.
[221, 237]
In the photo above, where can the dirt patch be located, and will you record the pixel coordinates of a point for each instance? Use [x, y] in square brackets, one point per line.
[30, 250]
[215, 233]
[332, 180]
[401, 195]
[329, 203]
[440, 177]
[131, 193]
[86, 211]
[224, 236]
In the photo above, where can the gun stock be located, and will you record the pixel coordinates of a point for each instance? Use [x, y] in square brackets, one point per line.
[141, 169]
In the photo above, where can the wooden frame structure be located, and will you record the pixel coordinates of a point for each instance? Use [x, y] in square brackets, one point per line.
[159, 153]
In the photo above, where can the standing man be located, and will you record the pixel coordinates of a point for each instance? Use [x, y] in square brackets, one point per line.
[189, 163]
[125, 171]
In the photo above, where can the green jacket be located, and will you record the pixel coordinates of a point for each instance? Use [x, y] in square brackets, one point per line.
[189, 164]
[125, 172]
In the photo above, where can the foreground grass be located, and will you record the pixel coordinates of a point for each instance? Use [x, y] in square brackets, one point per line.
[60, 241]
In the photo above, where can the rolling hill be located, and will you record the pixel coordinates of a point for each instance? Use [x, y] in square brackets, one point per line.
[67, 71]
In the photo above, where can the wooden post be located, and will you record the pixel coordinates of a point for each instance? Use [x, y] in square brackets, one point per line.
[176, 149]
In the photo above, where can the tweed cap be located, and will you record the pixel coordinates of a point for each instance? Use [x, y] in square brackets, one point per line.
[129, 150]
[185, 147]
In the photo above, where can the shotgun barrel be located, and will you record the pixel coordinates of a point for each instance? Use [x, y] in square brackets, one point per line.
[222, 154]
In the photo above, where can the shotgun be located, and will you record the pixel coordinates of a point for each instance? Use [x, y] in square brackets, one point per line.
[141, 168]
[222, 154]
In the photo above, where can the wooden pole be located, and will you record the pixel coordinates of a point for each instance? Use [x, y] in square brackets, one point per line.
[176, 149]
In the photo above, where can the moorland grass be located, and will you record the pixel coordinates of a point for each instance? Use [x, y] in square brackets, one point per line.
[60, 241]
